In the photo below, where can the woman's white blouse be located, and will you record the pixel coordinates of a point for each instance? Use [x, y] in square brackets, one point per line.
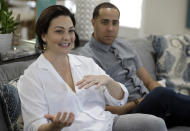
[43, 91]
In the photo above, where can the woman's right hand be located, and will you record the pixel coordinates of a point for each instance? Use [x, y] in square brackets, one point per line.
[60, 121]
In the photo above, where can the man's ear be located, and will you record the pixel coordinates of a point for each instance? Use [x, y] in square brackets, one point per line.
[93, 22]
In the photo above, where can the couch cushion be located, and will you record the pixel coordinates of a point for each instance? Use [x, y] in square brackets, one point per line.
[11, 106]
[173, 61]
[143, 46]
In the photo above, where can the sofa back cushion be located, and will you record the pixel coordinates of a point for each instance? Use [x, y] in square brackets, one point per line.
[144, 48]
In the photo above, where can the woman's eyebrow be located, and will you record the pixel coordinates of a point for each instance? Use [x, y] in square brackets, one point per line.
[59, 27]
[63, 27]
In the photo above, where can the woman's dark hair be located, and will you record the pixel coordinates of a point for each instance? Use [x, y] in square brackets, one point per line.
[46, 17]
[103, 5]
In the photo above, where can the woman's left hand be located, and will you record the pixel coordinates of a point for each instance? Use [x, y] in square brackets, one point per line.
[112, 86]
[91, 80]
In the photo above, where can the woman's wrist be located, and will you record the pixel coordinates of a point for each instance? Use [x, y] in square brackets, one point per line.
[48, 127]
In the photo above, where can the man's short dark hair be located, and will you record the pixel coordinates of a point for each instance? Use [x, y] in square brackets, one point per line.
[103, 5]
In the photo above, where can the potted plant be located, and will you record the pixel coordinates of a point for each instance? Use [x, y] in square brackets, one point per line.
[7, 27]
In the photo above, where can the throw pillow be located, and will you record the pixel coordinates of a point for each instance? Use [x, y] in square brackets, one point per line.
[20, 122]
[11, 106]
[173, 61]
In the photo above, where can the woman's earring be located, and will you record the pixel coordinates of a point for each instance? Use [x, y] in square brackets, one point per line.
[45, 46]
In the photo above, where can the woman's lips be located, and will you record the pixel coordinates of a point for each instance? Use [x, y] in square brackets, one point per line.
[64, 44]
[109, 36]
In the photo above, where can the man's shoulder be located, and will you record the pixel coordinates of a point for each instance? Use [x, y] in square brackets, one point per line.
[123, 45]
[86, 47]
[86, 50]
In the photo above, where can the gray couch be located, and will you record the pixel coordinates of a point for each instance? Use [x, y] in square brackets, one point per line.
[11, 71]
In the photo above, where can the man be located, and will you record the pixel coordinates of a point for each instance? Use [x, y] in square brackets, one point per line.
[123, 64]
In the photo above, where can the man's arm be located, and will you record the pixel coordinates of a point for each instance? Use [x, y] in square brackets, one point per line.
[147, 79]
[121, 110]
[129, 106]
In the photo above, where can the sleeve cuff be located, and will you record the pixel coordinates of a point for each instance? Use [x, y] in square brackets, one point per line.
[115, 102]
[35, 125]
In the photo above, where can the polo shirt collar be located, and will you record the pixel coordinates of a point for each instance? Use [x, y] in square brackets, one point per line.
[98, 45]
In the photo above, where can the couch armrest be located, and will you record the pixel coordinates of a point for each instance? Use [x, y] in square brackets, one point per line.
[13, 70]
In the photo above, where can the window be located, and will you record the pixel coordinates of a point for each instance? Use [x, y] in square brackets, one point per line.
[131, 11]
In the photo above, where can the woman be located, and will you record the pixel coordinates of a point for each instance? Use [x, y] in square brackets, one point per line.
[60, 91]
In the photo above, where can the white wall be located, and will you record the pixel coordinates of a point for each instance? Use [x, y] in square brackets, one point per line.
[165, 16]
[160, 17]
